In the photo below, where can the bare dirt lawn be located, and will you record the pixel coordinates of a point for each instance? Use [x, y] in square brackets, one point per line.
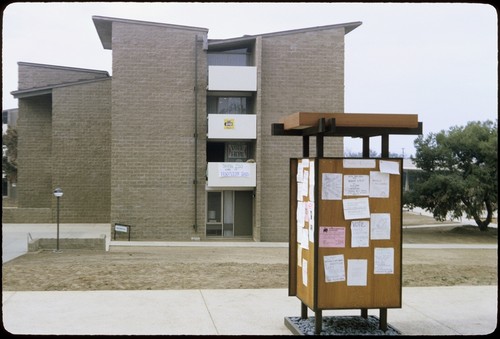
[159, 268]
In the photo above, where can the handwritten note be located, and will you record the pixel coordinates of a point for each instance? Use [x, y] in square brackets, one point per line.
[358, 208]
[383, 260]
[331, 188]
[310, 212]
[379, 184]
[334, 268]
[380, 226]
[360, 232]
[356, 185]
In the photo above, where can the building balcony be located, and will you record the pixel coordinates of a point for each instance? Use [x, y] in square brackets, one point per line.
[232, 78]
[236, 175]
[232, 126]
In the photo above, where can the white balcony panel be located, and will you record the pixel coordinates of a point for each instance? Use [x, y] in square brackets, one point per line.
[231, 174]
[232, 78]
[232, 126]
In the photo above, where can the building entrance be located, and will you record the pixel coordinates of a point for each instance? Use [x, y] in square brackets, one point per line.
[229, 213]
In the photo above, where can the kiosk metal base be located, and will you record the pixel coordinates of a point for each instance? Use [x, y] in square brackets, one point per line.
[339, 325]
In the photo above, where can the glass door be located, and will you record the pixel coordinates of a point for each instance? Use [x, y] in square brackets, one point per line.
[214, 214]
[228, 213]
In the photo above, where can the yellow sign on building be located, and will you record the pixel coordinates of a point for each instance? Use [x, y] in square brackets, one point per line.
[228, 123]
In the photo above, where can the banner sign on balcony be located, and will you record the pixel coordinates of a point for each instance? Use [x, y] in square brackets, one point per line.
[234, 170]
[229, 123]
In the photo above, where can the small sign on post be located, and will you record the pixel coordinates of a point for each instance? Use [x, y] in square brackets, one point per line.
[122, 229]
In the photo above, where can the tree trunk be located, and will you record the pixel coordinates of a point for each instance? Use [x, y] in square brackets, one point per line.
[483, 224]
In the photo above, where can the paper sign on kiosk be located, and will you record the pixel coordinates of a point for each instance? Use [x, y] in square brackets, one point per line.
[331, 186]
[357, 270]
[356, 185]
[391, 167]
[304, 240]
[384, 261]
[359, 163]
[379, 184]
[360, 230]
[358, 208]
[334, 268]
[380, 226]
[312, 180]
[304, 272]
[332, 237]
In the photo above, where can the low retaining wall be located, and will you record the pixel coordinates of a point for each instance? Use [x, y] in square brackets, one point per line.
[68, 243]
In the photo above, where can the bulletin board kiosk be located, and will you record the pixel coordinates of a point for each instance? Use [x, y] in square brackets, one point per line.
[345, 249]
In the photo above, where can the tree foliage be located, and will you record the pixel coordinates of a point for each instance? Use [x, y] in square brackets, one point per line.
[9, 155]
[460, 173]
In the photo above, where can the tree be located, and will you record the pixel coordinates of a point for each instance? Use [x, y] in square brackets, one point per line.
[460, 173]
[9, 155]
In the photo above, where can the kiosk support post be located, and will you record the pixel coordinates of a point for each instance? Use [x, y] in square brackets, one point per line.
[383, 319]
[305, 146]
[318, 321]
[303, 311]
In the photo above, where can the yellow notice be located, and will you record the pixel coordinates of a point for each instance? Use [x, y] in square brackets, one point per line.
[229, 123]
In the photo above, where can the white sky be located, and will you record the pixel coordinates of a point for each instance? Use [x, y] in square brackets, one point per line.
[436, 60]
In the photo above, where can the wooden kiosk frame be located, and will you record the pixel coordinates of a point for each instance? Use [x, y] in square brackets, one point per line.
[346, 268]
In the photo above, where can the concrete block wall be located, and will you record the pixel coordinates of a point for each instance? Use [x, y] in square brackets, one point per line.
[81, 151]
[63, 137]
[299, 72]
[15, 215]
[34, 177]
[152, 141]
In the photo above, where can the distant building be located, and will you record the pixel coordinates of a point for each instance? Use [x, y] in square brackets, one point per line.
[9, 119]
[177, 143]
[410, 174]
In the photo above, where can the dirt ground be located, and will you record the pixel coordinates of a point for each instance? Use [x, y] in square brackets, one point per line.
[159, 268]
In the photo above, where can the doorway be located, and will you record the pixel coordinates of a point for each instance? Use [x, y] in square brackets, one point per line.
[229, 214]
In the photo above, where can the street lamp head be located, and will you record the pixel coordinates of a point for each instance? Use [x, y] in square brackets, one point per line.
[58, 192]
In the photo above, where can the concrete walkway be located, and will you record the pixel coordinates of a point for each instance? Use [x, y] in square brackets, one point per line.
[469, 310]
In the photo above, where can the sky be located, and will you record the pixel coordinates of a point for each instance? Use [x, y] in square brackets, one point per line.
[439, 61]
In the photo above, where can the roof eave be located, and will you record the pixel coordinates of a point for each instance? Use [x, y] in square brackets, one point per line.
[38, 91]
[248, 39]
[104, 27]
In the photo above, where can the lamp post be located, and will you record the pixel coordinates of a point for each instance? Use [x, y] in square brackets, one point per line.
[58, 193]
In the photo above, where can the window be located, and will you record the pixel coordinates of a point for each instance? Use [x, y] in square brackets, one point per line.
[237, 57]
[229, 151]
[229, 105]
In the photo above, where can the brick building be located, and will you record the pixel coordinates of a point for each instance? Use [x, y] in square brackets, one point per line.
[177, 143]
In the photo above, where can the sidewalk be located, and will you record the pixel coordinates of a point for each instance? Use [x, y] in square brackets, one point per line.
[469, 310]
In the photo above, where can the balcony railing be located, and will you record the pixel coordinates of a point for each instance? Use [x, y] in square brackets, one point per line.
[231, 174]
[232, 78]
[232, 126]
